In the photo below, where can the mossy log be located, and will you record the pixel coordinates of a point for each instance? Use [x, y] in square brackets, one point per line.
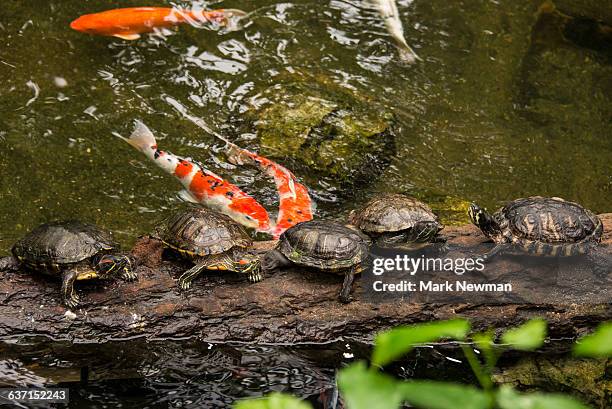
[287, 307]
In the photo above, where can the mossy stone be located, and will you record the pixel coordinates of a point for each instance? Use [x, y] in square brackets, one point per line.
[324, 132]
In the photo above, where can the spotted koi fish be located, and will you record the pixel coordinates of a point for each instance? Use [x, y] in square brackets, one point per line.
[295, 205]
[129, 23]
[201, 185]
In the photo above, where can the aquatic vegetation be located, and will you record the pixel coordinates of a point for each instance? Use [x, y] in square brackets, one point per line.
[366, 387]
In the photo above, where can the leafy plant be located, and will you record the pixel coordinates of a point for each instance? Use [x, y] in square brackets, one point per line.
[393, 344]
[366, 387]
[596, 345]
[273, 401]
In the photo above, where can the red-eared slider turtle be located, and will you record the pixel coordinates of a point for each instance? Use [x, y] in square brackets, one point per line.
[396, 218]
[541, 226]
[322, 245]
[71, 250]
[212, 240]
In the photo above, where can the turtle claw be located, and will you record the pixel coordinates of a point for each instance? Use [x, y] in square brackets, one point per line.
[184, 284]
[255, 277]
[129, 275]
[72, 301]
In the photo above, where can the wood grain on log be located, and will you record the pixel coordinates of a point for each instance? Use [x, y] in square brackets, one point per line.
[286, 307]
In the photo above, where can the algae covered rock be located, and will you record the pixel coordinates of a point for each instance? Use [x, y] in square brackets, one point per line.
[323, 132]
[587, 379]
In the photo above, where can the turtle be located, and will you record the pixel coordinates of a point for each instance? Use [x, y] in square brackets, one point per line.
[322, 245]
[542, 226]
[397, 218]
[71, 250]
[212, 241]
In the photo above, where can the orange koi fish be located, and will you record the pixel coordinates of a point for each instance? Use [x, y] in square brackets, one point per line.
[202, 185]
[295, 205]
[129, 23]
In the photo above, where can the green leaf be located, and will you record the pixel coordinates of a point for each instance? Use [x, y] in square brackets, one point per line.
[484, 342]
[508, 398]
[366, 389]
[390, 345]
[273, 401]
[528, 336]
[596, 345]
[443, 395]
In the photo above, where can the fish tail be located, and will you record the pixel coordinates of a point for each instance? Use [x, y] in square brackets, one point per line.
[224, 17]
[407, 54]
[141, 138]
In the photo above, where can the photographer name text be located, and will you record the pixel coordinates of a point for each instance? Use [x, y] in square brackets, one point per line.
[445, 286]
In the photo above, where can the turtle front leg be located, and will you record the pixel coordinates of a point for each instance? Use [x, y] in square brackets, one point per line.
[128, 273]
[69, 295]
[347, 285]
[9, 264]
[214, 262]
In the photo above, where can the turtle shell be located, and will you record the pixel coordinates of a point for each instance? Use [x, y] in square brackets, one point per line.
[324, 245]
[201, 232]
[65, 242]
[549, 220]
[391, 213]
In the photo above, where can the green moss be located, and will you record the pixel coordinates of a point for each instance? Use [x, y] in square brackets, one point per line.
[585, 379]
[284, 129]
[451, 210]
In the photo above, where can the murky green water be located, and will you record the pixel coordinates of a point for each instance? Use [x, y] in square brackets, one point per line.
[506, 103]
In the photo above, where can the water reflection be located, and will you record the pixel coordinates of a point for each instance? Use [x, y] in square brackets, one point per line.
[139, 374]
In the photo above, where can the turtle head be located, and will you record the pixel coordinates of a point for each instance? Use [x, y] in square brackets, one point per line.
[483, 219]
[247, 263]
[110, 265]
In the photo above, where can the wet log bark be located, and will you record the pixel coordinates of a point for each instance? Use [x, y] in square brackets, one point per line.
[287, 307]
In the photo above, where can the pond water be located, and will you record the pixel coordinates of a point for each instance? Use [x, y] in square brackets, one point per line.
[507, 102]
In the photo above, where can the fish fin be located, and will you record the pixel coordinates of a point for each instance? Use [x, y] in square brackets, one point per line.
[187, 196]
[235, 154]
[129, 37]
[141, 138]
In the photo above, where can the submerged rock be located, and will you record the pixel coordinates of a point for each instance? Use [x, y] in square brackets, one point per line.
[324, 132]
[556, 94]
[593, 9]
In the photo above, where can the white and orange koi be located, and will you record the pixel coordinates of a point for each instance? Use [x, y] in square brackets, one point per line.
[202, 185]
[295, 205]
